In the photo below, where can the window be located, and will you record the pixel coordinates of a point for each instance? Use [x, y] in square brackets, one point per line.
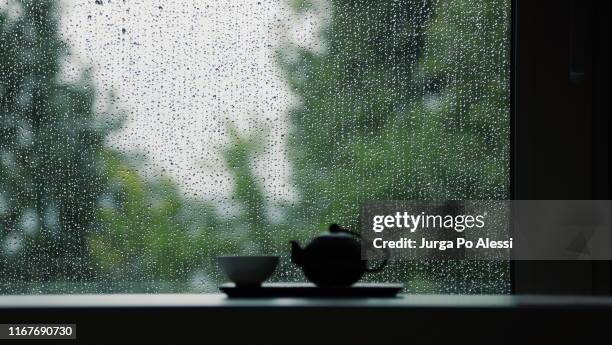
[140, 140]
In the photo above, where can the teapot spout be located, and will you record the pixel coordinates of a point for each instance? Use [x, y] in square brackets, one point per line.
[296, 253]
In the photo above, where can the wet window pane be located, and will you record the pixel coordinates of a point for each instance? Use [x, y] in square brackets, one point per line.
[141, 139]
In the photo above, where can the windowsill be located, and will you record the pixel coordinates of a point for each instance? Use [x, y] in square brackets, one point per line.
[221, 301]
[408, 319]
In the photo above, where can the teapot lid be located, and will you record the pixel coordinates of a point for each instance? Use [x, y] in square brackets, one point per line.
[338, 230]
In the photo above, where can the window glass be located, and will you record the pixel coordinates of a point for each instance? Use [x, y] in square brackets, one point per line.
[141, 139]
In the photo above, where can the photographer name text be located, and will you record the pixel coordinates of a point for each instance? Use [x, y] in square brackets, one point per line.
[458, 243]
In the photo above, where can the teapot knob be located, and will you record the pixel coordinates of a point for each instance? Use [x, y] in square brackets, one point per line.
[335, 228]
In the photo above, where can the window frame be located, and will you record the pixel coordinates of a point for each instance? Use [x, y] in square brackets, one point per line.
[560, 113]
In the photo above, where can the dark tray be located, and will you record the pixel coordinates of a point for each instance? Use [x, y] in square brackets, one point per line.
[306, 290]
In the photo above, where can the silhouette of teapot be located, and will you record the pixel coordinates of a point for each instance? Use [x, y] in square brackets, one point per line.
[333, 259]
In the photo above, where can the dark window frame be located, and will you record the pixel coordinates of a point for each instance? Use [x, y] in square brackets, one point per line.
[560, 125]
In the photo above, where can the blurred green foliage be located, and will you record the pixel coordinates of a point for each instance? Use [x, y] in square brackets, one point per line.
[409, 100]
[406, 93]
[147, 234]
[51, 172]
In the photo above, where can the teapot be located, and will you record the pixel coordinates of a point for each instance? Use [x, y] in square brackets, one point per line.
[333, 259]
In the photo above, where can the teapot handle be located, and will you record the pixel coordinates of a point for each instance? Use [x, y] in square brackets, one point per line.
[335, 228]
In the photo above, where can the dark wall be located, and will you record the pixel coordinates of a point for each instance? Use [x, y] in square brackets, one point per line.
[561, 124]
